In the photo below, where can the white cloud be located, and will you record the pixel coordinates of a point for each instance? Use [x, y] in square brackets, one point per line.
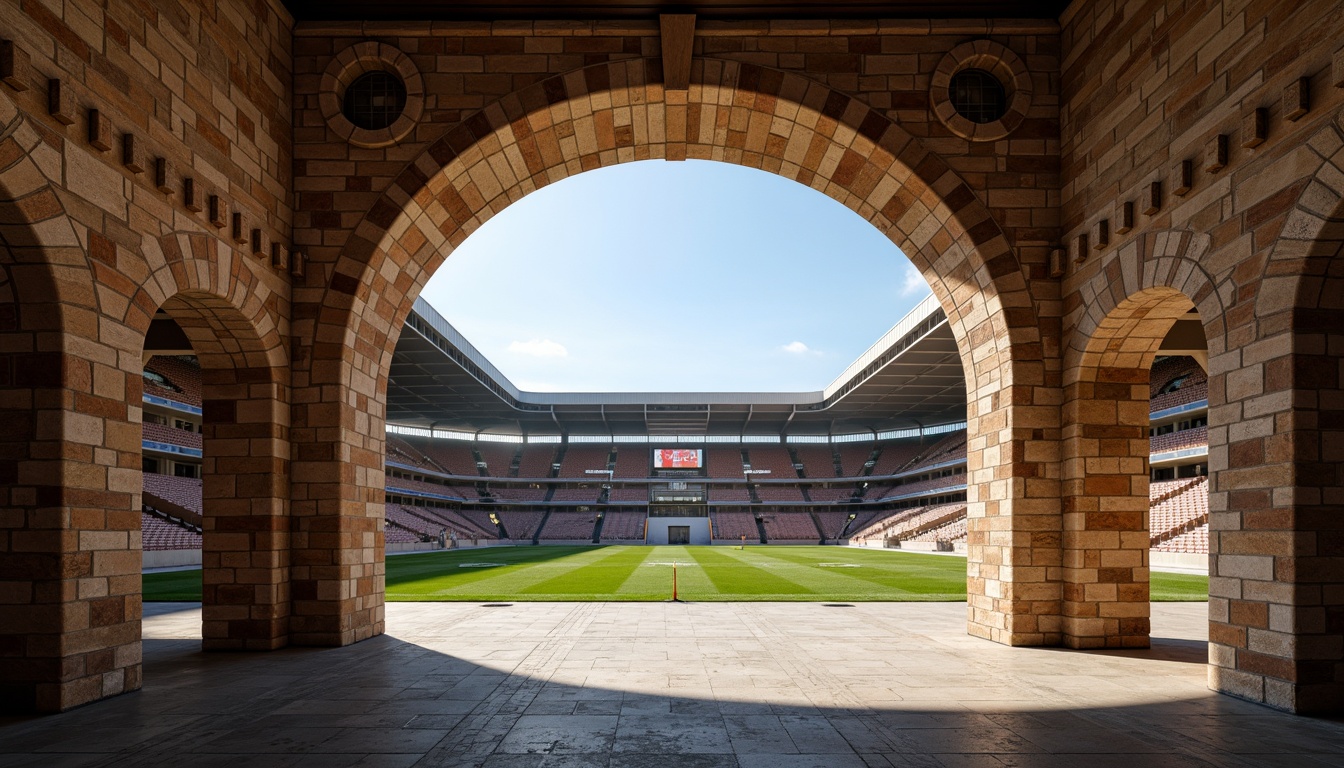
[539, 348]
[913, 283]
[796, 348]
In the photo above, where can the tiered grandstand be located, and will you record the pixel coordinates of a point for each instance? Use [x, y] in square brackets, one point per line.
[896, 487]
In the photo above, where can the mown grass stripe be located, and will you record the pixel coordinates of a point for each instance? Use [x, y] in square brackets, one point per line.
[523, 567]
[602, 576]
[923, 577]
[733, 581]
[635, 573]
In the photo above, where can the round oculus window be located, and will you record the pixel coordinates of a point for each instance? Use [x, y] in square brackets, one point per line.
[374, 100]
[978, 96]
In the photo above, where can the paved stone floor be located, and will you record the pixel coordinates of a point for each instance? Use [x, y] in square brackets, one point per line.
[776, 685]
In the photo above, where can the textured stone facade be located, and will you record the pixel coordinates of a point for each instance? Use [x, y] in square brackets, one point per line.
[1062, 243]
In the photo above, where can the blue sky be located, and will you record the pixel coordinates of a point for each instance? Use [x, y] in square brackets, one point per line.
[661, 276]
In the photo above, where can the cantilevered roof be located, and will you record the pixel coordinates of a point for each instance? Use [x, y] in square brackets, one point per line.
[910, 378]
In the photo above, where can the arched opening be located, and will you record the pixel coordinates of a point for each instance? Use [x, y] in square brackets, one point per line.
[585, 276]
[215, 465]
[740, 114]
[1121, 405]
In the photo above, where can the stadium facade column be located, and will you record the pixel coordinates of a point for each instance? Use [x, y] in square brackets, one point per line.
[116, 200]
[69, 526]
[1248, 175]
[336, 491]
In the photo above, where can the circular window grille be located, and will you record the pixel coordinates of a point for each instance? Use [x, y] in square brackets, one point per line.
[374, 100]
[978, 96]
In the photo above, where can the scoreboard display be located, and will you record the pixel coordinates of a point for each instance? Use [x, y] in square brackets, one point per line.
[678, 458]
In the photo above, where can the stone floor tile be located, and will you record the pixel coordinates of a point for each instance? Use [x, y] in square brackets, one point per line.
[645, 685]
[560, 734]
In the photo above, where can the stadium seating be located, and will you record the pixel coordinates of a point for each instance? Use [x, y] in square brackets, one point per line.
[411, 522]
[161, 433]
[498, 457]
[628, 496]
[580, 495]
[623, 526]
[632, 461]
[1179, 441]
[832, 523]
[461, 492]
[537, 460]
[724, 462]
[159, 534]
[517, 493]
[947, 533]
[182, 374]
[817, 460]
[521, 524]
[779, 493]
[403, 452]
[565, 525]
[832, 495]
[183, 491]
[790, 526]
[580, 458]
[734, 525]
[895, 457]
[774, 458]
[395, 534]
[949, 448]
[921, 486]
[729, 494]
[450, 456]
[1179, 507]
[880, 527]
[1177, 520]
[853, 456]
[1195, 542]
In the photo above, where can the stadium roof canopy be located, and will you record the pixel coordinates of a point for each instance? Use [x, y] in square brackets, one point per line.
[911, 378]
[479, 10]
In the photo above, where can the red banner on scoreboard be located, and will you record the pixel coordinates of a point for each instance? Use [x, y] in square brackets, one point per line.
[677, 458]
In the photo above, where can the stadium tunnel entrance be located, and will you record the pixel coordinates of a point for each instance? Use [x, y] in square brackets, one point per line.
[737, 113]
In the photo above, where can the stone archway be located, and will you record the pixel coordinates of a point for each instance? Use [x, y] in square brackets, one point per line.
[244, 391]
[783, 123]
[1136, 296]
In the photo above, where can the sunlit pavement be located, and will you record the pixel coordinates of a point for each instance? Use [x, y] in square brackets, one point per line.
[784, 685]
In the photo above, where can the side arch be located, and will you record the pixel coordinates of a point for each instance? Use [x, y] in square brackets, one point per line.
[225, 311]
[1283, 510]
[1127, 308]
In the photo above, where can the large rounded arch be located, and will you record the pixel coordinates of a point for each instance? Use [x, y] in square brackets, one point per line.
[739, 113]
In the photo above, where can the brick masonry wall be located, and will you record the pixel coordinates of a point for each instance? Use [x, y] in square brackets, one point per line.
[1245, 231]
[885, 67]
[96, 239]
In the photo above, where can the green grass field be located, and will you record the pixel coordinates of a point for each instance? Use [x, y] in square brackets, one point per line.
[635, 573]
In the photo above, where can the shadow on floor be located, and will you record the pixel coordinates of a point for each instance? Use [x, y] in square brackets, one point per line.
[389, 702]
